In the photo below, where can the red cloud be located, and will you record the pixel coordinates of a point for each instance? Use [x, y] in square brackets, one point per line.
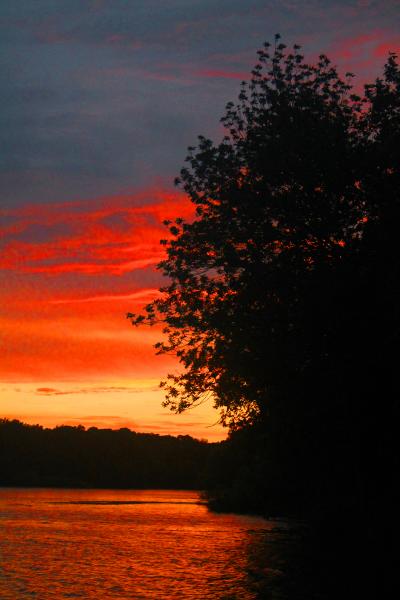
[222, 74]
[77, 327]
[383, 49]
[112, 235]
[365, 53]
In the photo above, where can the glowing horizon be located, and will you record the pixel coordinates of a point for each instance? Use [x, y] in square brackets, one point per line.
[98, 116]
[72, 357]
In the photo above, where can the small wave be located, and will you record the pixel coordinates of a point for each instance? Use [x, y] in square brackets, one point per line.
[124, 502]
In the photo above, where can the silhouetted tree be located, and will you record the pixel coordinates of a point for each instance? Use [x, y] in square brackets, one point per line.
[277, 200]
[283, 299]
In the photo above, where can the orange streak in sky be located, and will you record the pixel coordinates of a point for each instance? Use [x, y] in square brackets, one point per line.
[79, 329]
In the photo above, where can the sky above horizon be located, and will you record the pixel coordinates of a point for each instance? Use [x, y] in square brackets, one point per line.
[100, 99]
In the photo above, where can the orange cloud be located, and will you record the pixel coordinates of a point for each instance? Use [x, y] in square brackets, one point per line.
[48, 391]
[145, 295]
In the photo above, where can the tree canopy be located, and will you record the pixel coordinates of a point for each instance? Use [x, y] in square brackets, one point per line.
[273, 285]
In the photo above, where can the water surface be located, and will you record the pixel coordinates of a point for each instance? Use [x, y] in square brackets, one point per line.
[120, 544]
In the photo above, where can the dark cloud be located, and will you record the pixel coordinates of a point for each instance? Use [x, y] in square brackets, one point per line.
[99, 96]
[41, 233]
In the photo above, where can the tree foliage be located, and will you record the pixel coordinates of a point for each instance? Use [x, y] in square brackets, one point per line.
[296, 209]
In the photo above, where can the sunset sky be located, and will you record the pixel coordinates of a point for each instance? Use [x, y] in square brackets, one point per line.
[99, 101]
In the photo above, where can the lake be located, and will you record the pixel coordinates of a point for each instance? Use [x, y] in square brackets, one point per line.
[120, 544]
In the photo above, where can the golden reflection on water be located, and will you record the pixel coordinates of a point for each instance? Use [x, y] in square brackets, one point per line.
[113, 544]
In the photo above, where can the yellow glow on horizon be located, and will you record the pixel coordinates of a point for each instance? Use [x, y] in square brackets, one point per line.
[135, 404]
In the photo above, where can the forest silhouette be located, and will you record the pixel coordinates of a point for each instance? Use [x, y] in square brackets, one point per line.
[66, 456]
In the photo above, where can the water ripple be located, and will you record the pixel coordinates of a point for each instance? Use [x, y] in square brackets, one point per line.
[122, 544]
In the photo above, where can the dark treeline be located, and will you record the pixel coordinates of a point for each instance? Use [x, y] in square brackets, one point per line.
[65, 456]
